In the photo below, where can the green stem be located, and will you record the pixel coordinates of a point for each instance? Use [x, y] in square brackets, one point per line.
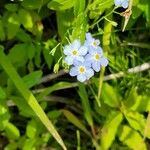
[106, 43]
[28, 96]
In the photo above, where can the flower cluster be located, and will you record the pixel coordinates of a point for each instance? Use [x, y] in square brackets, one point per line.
[122, 3]
[84, 59]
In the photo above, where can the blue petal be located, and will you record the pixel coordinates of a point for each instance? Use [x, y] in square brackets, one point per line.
[118, 2]
[81, 78]
[104, 61]
[80, 58]
[88, 57]
[89, 73]
[67, 50]
[89, 36]
[83, 50]
[125, 4]
[96, 66]
[69, 60]
[73, 71]
[76, 44]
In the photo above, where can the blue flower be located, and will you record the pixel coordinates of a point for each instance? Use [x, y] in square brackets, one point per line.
[74, 52]
[82, 70]
[122, 3]
[96, 59]
[91, 42]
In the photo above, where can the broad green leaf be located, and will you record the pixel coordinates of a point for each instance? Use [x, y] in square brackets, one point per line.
[64, 21]
[110, 128]
[2, 33]
[140, 103]
[136, 120]
[32, 79]
[31, 129]
[24, 108]
[25, 18]
[29, 144]
[54, 114]
[144, 5]
[18, 50]
[79, 27]
[60, 4]
[131, 138]
[99, 6]
[74, 120]
[12, 25]
[34, 4]
[23, 36]
[31, 50]
[11, 7]
[85, 104]
[28, 96]
[12, 131]
[37, 58]
[4, 114]
[48, 58]
[110, 95]
[79, 7]
[2, 93]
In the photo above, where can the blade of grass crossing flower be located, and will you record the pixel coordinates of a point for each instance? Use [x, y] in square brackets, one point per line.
[28, 96]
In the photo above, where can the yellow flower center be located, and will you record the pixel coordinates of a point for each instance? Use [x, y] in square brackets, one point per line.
[94, 44]
[82, 69]
[75, 52]
[97, 57]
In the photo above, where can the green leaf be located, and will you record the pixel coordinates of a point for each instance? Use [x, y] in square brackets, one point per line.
[32, 79]
[12, 25]
[137, 121]
[30, 50]
[110, 95]
[60, 4]
[85, 104]
[31, 129]
[11, 7]
[12, 131]
[99, 6]
[79, 7]
[54, 114]
[25, 18]
[2, 93]
[110, 128]
[18, 50]
[74, 120]
[144, 5]
[28, 96]
[34, 4]
[2, 35]
[131, 138]
[4, 114]
[135, 102]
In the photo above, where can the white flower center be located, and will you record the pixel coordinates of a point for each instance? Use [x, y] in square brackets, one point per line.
[82, 69]
[74, 52]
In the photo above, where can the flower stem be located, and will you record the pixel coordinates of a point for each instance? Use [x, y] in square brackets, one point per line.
[106, 43]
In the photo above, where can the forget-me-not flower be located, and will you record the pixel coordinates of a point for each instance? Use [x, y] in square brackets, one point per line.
[122, 3]
[91, 42]
[96, 58]
[74, 52]
[82, 70]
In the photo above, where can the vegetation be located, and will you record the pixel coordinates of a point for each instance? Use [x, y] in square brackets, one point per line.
[43, 107]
